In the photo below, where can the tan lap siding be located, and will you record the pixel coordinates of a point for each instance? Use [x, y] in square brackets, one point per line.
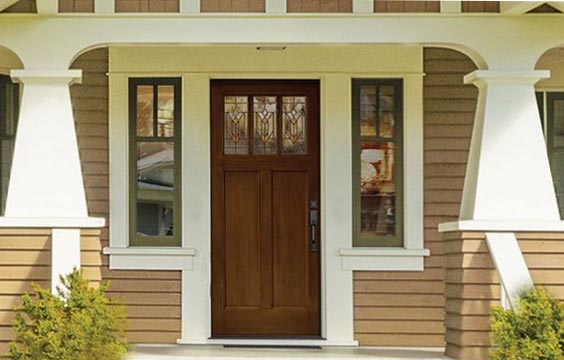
[480, 6]
[320, 6]
[232, 5]
[152, 297]
[69, 6]
[381, 6]
[147, 5]
[407, 308]
[22, 6]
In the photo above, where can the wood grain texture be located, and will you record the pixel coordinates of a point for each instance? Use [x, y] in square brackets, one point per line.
[70, 6]
[241, 6]
[319, 6]
[153, 296]
[22, 6]
[147, 5]
[394, 6]
[480, 6]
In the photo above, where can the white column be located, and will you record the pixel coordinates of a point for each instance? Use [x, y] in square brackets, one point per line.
[508, 176]
[104, 6]
[451, 6]
[46, 179]
[276, 6]
[65, 254]
[48, 7]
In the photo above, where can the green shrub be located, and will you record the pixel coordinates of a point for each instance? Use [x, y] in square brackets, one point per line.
[78, 323]
[535, 331]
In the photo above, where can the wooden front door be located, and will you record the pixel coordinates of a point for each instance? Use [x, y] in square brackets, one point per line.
[265, 204]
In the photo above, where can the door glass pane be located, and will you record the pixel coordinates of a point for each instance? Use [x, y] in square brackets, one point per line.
[264, 125]
[378, 189]
[294, 125]
[236, 141]
[165, 111]
[155, 188]
[368, 111]
[387, 111]
[144, 121]
[557, 160]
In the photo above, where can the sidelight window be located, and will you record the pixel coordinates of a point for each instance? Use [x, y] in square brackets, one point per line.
[377, 165]
[154, 106]
[9, 106]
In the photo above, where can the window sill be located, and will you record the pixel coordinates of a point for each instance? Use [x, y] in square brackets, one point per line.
[383, 259]
[150, 258]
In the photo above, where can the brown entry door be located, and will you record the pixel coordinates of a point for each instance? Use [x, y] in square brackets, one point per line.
[265, 193]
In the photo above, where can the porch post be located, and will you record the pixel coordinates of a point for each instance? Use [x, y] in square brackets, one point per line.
[508, 189]
[46, 187]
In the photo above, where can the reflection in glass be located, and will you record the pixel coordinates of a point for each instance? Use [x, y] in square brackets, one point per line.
[557, 158]
[236, 140]
[165, 111]
[144, 121]
[387, 111]
[378, 189]
[264, 125]
[367, 110]
[155, 188]
[294, 125]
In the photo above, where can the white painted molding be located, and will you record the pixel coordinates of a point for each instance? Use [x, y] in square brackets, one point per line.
[383, 259]
[45, 222]
[104, 6]
[163, 251]
[150, 258]
[65, 254]
[48, 7]
[270, 342]
[4, 4]
[363, 6]
[518, 7]
[188, 6]
[276, 6]
[513, 226]
[451, 6]
[510, 264]
[47, 76]
[558, 5]
[515, 77]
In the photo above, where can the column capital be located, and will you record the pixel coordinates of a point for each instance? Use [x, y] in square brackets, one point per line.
[482, 77]
[47, 76]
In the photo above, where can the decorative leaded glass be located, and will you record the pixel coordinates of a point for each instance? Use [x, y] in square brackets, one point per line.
[236, 141]
[165, 111]
[294, 125]
[368, 110]
[144, 114]
[264, 125]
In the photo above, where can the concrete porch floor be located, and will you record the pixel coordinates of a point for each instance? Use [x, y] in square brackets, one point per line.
[216, 352]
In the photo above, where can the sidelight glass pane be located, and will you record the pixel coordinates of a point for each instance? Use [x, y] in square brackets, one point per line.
[387, 111]
[377, 189]
[294, 125]
[264, 108]
[368, 111]
[144, 120]
[557, 151]
[236, 140]
[155, 188]
[165, 113]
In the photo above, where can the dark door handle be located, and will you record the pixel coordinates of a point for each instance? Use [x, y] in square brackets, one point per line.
[313, 220]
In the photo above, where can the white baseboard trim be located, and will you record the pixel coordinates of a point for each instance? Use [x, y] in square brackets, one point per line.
[270, 342]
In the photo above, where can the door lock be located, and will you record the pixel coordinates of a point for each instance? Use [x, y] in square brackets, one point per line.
[313, 221]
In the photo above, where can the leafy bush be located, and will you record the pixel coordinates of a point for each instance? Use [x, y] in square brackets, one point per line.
[78, 323]
[535, 331]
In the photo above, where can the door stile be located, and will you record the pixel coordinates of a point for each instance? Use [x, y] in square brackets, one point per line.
[266, 241]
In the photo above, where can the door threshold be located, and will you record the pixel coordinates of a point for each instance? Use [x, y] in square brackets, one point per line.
[269, 342]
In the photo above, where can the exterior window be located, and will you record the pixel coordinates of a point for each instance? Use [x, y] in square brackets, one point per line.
[377, 165]
[154, 156]
[554, 132]
[9, 106]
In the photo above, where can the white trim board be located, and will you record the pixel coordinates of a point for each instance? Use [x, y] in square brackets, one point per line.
[335, 67]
